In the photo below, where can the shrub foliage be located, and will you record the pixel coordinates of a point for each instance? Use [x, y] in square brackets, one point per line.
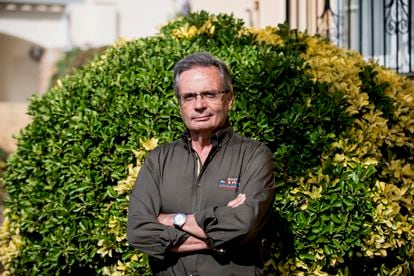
[340, 127]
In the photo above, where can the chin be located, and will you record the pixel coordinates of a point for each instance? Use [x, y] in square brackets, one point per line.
[202, 128]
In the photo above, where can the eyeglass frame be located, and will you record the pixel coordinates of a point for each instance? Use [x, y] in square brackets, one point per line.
[202, 94]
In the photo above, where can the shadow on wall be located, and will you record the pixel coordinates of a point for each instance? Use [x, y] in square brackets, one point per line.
[13, 118]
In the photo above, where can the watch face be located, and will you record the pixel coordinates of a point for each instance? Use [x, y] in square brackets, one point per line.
[179, 219]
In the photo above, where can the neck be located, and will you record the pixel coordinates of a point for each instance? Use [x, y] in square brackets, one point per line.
[200, 140]
[201, 144]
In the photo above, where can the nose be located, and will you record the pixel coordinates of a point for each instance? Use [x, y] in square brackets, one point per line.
[200, 102]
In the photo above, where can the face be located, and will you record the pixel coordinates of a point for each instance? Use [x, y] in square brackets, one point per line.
[200, 115]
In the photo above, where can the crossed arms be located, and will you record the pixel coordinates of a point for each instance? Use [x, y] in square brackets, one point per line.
[215, 227]
[197, 239]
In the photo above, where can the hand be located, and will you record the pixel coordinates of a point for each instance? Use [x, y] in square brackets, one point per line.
[239, 200]
[166, 219]
[191, 244]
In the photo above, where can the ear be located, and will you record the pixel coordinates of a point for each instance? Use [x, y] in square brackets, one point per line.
[230, 100]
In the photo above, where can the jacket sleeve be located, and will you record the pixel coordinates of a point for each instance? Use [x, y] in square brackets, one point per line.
[143, 229]
[237, 226]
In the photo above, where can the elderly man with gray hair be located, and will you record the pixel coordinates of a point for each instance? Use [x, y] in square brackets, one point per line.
[200, 203]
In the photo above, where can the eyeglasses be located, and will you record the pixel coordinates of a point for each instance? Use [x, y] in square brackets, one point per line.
[209, 96]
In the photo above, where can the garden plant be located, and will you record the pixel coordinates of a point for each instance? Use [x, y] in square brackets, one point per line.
[340, 127]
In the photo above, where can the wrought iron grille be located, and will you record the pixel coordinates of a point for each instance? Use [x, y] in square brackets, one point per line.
[379, 29]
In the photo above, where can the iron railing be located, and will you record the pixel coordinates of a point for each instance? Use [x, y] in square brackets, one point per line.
[379, 29]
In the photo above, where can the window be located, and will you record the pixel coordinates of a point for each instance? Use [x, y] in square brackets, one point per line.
[379, 29]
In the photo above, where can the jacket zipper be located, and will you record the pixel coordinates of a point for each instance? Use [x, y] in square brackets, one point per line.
[199, 171]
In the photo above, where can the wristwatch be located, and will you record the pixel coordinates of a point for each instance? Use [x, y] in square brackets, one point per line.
[179, 220]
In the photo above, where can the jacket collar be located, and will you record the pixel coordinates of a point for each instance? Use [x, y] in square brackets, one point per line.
[219, 138]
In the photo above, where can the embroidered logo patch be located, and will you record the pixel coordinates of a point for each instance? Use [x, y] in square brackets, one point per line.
[231, 183]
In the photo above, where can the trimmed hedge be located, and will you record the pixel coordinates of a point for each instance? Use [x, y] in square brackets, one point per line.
[341, 130]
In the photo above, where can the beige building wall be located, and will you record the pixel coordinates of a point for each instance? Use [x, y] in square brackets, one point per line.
[19, 74]
[25, 69]
[144, 18]
[272, 12]
[93, 23]
[305, 14]
[42, 27]
[255, 13]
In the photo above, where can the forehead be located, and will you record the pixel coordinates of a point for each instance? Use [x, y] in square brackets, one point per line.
[200, 79]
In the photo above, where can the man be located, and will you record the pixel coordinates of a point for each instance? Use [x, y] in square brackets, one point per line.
[199, 204]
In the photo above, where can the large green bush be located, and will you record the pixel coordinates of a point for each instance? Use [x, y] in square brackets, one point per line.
[341, 130]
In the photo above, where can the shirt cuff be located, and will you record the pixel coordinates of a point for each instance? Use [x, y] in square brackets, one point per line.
[172, 237]
[206, 218]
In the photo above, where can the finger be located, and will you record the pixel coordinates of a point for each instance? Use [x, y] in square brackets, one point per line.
[231, 203]
[239, 200]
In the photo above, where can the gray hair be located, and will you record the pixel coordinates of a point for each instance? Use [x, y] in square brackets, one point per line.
[202, 59]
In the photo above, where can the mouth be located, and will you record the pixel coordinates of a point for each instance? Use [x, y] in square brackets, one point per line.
[201, 118]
